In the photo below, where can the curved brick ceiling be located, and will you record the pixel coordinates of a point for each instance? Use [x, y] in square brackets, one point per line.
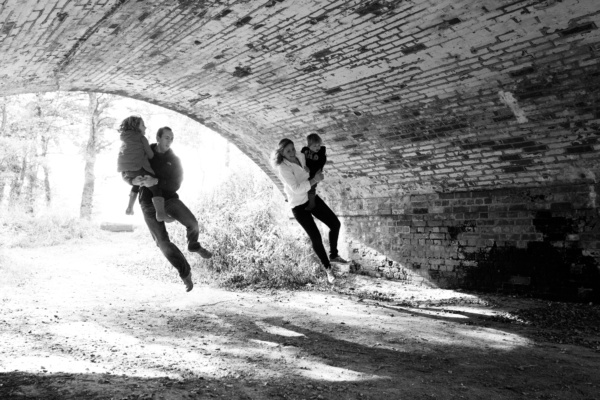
[410, 96]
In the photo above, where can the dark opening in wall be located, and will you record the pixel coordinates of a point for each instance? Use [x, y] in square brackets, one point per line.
[222, 14]
[272, 3]
[522, 71]
[550, 272]
[243, 21]
[333, 90]
[319, 55]
[241, 72]
[374, 7]
[414, 49]
[577, 29]
[315, 20]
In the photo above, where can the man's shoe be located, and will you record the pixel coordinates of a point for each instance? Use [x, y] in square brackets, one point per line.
[338, 260]
[196, 248]
[330, 276]
[189, 285]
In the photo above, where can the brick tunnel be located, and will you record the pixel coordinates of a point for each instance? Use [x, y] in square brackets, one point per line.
[462, 135]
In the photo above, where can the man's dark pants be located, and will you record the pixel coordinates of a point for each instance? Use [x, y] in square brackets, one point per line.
[176, 209]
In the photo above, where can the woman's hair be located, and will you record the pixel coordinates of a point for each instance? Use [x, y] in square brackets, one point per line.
[278, 154]
[131, 124]
[162, 130]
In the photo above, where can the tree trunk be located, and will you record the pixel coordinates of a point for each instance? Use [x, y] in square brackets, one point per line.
[87, 198]
[47, 190]
[32, 177]
[17, 184]
[2, 168]
[3, 121]
[227, 155]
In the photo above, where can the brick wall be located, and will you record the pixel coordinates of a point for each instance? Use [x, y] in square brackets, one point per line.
[540, 240]
[412, 98]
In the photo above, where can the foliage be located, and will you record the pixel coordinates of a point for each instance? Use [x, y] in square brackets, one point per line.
[98, 122]
[245, 220]
[30, 125]
[21, 228]
[247, 226]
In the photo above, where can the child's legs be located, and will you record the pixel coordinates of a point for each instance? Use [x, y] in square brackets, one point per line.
[156, 192]
[312, 193]
[135, 190]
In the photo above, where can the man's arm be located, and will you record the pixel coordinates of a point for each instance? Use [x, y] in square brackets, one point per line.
[144, 181]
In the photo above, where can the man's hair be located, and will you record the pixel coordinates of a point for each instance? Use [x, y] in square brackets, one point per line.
[162, 130]
[131, 123]
[313, 138]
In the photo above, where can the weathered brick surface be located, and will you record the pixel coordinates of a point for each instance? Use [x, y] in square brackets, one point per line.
[420, 97]
[442, 235]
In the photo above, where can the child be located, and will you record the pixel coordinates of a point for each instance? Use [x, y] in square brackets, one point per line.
[315, 160]
[133, 161]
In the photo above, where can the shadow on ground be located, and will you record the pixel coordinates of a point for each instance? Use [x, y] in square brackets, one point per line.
[79, 326]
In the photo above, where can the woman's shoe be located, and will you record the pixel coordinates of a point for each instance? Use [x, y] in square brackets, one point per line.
[330, 276]
[338, 260]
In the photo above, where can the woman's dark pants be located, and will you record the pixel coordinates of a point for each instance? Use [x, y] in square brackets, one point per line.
[324, 214]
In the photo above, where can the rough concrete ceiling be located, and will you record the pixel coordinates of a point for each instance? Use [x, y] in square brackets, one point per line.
[409, 96]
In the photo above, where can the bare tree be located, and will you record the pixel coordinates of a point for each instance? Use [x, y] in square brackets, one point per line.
[97, 123]
[3, 121]
[33, 124]
[47, 188]
[2, 161]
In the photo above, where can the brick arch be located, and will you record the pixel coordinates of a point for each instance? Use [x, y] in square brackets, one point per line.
[452, 126]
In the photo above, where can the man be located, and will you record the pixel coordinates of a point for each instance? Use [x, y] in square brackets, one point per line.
[168, 170]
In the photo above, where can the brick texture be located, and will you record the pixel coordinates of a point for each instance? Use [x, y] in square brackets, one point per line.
[421, 98]
[553, 231]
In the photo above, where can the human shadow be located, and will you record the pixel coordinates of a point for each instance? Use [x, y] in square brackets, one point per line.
[221, 352]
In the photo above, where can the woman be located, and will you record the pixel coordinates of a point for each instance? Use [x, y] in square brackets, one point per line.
[291, 167]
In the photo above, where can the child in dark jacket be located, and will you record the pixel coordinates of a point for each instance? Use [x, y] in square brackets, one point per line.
[315, 161]
[134, 160]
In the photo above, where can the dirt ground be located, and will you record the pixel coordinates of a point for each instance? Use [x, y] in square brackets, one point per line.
[78, 322]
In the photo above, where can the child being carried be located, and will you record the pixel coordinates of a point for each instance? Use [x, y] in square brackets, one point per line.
[315, 161]
[133, 161]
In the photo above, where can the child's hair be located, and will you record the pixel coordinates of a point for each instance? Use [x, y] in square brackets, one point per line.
[313, 138]
[162, 130]
[131, 123]
[277, 158]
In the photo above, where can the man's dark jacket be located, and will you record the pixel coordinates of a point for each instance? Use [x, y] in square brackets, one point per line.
[168, 170]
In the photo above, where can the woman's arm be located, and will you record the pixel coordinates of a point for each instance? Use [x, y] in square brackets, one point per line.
[147, 148]
[288, 177]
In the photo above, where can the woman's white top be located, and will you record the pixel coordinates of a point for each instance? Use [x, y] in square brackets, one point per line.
[295, 180]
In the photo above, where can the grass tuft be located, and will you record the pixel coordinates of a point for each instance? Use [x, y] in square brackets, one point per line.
[247, 225]
[20, 228]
